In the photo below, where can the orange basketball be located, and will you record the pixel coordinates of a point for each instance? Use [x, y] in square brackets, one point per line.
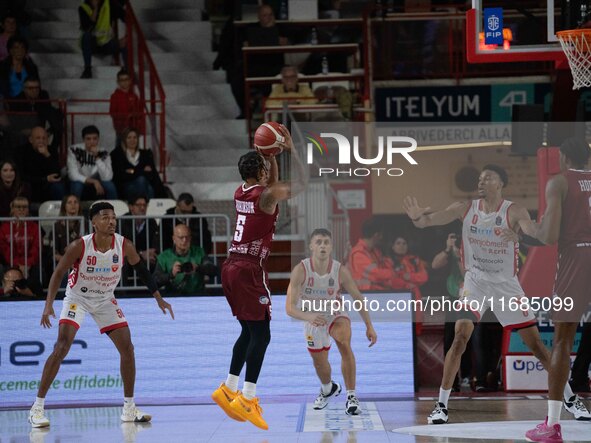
[267, 138]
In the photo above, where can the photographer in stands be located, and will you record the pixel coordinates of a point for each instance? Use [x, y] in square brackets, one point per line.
[184, 268]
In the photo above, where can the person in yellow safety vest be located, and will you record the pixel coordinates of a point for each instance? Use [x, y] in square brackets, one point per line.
[96, 25]
[369, 268]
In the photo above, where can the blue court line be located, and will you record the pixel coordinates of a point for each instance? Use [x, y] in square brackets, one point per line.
[301, 418]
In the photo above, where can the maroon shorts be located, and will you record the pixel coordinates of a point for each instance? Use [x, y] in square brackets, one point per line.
[245, 284]
[573, 280]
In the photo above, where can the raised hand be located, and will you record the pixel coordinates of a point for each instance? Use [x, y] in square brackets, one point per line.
[412, 208]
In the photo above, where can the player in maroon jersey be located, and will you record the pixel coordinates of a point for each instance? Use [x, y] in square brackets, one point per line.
[244, 278]
[567, 220]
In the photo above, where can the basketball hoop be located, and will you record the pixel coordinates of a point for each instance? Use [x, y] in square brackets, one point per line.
[576, 44]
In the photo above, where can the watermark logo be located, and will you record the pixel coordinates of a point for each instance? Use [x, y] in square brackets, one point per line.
[388, 147]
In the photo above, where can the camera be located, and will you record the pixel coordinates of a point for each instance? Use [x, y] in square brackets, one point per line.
[187, 267]
[21, 284]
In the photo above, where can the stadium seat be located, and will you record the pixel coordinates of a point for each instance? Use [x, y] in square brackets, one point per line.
[50, 208]
[158, 206]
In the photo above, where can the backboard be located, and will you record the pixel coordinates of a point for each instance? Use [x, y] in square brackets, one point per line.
[529, 30]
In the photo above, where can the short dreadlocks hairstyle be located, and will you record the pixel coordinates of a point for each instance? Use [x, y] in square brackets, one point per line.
[576, 150]
[250, 165]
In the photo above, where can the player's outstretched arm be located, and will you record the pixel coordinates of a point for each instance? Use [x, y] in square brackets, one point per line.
[293, 297]
[133, 258]
[422, 218]
[73, 253]
[349, 285]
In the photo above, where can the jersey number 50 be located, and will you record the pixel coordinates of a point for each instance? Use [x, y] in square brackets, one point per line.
[240, 220]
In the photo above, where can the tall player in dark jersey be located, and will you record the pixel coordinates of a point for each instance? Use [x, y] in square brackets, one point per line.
[567, 220]
[244, 278]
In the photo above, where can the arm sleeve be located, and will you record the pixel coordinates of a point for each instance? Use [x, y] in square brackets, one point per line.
[145, 276]
[74, 173]
[104, 168]
[364, 266]
[420, 276]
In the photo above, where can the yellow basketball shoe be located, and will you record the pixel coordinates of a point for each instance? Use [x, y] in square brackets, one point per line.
[223, 397]
[249, 410]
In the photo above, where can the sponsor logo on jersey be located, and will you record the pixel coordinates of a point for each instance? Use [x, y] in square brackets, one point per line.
[499, 220]
[84, 289]
[89, 269]
[473, 229]
[498, 231]
[330, 291]
[115, 258]
[71, 314]
[308, 290]
[114, 268]
[264, 300]
[73, 307]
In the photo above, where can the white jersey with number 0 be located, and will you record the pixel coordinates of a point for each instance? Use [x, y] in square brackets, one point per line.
[485, 254]
[98, 273]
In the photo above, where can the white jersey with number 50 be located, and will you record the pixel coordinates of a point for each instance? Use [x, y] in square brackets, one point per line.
[484, 253]
[97, 273]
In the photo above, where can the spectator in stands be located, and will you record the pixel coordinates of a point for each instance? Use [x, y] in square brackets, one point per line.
[35, 100]
[15, 69]
[14, 284]
[125, 107]
[143, 232]
[19, 240]
[265, 33]
[369, 268]
[291, 90]
[41, 168]
[66, 231]
[8, 30]
[89, 167]
[183, 267]
[200, 234]
[11, 186]
[96, 18]
[134, 171]
[408, 267]
[450, 258]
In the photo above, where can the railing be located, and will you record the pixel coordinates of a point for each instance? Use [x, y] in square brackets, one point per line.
[315, 204]
[143, 70]
[40, 234]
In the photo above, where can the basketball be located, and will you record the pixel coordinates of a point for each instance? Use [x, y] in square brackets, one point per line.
[267, 138]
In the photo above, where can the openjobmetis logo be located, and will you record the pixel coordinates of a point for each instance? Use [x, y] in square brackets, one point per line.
[391, 145]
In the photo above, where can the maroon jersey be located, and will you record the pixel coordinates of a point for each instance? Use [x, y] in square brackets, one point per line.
[254, 228]
[575, 228]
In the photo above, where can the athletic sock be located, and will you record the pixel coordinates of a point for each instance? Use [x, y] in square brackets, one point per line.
[128, 401]
[444, 396]
[249, 390]
[39, 402]
[326, 388]
[554, 409]
[350, 393]
[568, 392]
[232, 382]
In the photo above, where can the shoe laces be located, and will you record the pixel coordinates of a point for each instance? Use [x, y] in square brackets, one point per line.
[255, 403]
[352, 399]
[578, 404]
[37, 411]
[438, 408]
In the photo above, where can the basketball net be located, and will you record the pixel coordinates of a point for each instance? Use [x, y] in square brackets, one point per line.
[576, 44]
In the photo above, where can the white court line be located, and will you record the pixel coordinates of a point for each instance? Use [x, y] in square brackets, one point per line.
[333, 418]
